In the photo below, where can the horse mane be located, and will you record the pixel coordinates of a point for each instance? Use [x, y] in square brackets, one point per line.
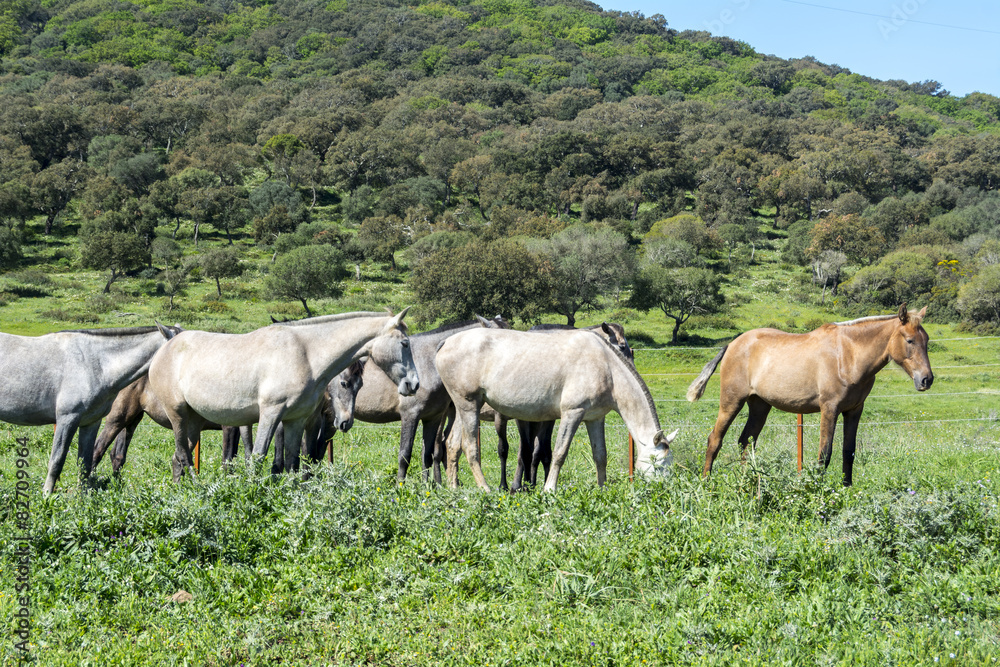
[113, 331]
[631, 369]
[323, 319]
[862, 320]
[451, 326]
[553, 327]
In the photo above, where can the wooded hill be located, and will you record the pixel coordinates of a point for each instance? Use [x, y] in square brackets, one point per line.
[471, 132]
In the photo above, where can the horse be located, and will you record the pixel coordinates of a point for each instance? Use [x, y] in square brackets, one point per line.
[137, 399]
[273, 375]
[334, 413]
[126, 412]
[536, 437]
[70, 379]
[379, 403]
[829, 370]
[573, 376]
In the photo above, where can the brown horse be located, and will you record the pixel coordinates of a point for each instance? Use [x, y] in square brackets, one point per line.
[829, 370]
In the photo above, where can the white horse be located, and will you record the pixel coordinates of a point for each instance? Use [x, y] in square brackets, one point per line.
[573, 376]
[71, 379]
[273, 375]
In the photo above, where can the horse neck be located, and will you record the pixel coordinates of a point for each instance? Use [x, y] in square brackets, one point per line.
[122, 359]
[870, 346]
[331, 346]
[633, 402]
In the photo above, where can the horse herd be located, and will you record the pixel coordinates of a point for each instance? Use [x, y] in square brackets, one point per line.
[301, 380]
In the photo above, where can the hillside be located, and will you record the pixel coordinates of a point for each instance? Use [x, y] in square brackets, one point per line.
[137, 136]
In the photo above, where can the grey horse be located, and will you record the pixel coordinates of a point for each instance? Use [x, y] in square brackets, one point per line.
[273, 375]
[378, 401]
[71, 379]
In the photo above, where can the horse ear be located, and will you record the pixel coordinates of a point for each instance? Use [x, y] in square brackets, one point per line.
[397, 320]
[920, 315]
[483, 322]
[904, 314]
[665, 440]
[167, 332]
[607, 329]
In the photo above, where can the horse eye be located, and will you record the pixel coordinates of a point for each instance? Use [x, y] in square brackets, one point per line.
[405, 343]
[909, 341]
[343, 383]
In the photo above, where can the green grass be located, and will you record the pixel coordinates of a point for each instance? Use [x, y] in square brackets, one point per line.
[756, 565]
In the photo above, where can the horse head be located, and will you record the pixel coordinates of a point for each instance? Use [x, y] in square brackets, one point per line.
[497, 322]
[908, 348]
[391, 352]
[616, 336]
[659, 457]
[343, 392]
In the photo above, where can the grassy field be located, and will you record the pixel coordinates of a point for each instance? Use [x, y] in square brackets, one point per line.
[757, 564]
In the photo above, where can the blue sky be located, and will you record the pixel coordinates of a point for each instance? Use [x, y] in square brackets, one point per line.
[954, 42]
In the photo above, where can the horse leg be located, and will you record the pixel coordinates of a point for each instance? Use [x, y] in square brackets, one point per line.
[727, 413]
[467, 441]
[598, 449]
[187, 432]
[827, 427]
[407, 434]
[230, 443]
[430, 427]
[293, 443]
[246, 437]
[265, 431]
[503, 447]
[542, 451]
[757, 410]
[440, 443]
[86, 435]
[568, 424]
[65, 430]
[278, 464]
[104, 439]
[524, 434]
[120, 451]
[851, 420]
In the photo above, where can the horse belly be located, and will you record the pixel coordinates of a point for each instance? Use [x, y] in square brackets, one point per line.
[525, 404]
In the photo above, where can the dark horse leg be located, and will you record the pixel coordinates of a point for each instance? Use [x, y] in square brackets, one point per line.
[758, 411]
[851, 420]
[728, 409]
[542, 450]
[120, 452]
[430, 431]
[525, 433]
[407, 435]
[503, 447]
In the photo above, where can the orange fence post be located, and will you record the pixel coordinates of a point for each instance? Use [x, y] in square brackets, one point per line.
[631, 458]
[798, 424]
[197, 456]
[329, 450]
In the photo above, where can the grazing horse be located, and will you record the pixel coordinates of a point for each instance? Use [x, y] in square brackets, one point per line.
[70, 379]
[573, 376]
[276, 374]
[536, 437]
[829, 370]
[126, 412]
[378, 402]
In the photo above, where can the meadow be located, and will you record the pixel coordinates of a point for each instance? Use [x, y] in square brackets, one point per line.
[758, 563]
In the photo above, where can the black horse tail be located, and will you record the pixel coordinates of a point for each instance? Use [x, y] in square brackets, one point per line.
[697, 387]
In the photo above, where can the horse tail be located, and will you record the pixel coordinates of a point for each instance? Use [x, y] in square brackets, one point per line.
[697, 387]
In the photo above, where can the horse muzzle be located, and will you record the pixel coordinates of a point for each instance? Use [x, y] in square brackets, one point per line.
[344, 425]
[922, 382]
[409, 386]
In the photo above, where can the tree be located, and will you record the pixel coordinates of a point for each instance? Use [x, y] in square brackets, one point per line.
[979, 299]
[52, 189]
[308, 272]
[679, 293]
[499, 278]
[115, 252]
[586, 265]
[220, 263]
[174, 283]
[380, 237]
[279, 153]
[10, 249]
